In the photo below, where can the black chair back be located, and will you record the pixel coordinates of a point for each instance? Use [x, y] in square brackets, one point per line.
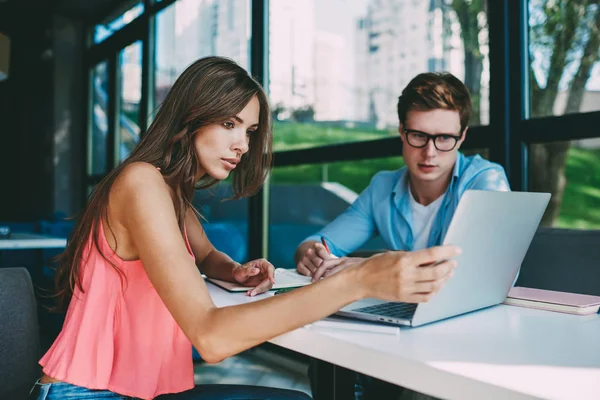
[19, 334]
[565, 260]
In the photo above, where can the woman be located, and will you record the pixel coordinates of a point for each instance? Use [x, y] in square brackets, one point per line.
[131, 273]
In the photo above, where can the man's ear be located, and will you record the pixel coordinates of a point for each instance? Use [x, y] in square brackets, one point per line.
[400, 130]
[462, 137]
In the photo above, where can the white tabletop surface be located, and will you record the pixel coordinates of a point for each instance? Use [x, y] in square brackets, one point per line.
[18, 241]
[503, 352]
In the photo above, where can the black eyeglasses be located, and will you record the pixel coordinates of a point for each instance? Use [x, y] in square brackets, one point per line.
[442, 142]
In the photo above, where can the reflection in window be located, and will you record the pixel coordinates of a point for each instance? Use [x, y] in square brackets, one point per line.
[97, 141]
[305, 198]
[191, 29]
[130, 64]
[570, 171]
[563, 54]
[104, 31]
[224, 221]
[337, 65]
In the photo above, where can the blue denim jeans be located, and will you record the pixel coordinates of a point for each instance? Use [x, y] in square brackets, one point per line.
[61, 390]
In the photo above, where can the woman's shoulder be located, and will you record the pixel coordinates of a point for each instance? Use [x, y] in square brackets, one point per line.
[140, 169]
[139, 176]
[137, 181]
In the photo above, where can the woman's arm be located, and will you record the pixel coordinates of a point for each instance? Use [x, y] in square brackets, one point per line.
[142, 203]
[211, 262]
[258, 274]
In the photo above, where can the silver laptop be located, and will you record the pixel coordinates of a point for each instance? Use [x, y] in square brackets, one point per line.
[494, 231]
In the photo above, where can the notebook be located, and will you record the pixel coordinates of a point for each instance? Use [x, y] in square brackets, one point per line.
[284, 278]
[571, 303]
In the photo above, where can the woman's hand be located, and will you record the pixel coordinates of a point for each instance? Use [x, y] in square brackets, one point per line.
[334, 265]
[410, 277]
[258, 273]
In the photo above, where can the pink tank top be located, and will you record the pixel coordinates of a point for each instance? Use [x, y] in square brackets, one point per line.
[120, 338]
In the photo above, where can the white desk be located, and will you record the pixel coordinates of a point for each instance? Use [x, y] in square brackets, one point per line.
[21, 241]
[501, 352]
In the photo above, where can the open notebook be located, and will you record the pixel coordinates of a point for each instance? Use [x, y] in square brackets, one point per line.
[284, 278]
[571, 303]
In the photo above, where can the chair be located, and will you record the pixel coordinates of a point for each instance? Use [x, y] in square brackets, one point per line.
[19, 336]
[565, 260]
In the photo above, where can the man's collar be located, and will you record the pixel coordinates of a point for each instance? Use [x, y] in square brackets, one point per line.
[458, 165]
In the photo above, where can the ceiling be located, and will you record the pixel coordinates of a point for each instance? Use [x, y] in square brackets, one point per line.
[87, 11]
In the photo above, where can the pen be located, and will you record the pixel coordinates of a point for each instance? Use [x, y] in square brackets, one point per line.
[325, 244]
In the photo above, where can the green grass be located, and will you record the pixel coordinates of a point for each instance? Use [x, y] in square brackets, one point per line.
[289, 136]
[581, 201]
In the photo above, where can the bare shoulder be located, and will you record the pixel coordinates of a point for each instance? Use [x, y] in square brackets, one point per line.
[139, 175]
[139, 184]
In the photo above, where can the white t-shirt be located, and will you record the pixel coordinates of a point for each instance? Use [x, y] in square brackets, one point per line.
[422, 220]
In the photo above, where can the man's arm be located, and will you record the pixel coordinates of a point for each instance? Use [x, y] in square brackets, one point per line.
[493, 178]
[343, 235]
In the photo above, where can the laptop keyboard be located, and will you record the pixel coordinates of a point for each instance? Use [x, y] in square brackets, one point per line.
[392, 310]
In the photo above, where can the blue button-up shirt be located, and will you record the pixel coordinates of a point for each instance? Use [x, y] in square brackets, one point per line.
[383, 208]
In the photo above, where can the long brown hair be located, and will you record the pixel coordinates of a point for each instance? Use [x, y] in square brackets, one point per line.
[211, 90]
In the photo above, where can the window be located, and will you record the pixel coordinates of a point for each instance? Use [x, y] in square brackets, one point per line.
[98, 131]
[225, 221]
[569, 170]
[337, 68]
[103, 31]
[563, 57]
[191, 29]
[130, 64]
[305, 198]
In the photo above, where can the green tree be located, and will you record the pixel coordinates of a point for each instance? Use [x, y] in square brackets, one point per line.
[563, 32]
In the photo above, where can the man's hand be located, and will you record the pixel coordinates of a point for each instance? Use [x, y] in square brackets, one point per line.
[258, 273]
[310, 256]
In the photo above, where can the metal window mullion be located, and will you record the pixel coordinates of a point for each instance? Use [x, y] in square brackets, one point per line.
[258, 216]
[518, 47]
[508, 47]
[148, 49]
[113, 110]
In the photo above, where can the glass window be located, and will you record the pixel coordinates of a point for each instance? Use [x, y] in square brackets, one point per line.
[305, 198]
[191, 29]
[570, 171]
[337, 68]
[103, 31]
[97, 136]
[563, 57]
[225, 221]
[130, 64]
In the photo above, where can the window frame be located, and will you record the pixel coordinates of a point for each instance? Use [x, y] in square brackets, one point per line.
[507, 136]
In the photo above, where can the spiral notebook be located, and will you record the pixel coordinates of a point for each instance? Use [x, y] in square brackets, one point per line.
[571, 303]
[284, 278]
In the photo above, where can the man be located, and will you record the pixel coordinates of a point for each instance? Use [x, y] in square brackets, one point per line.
[410, 208]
